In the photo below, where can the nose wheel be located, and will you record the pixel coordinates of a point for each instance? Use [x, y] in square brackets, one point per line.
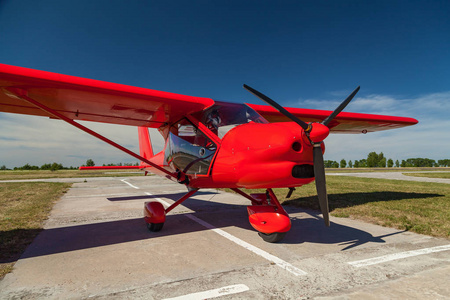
[272, 237]
[155, 227]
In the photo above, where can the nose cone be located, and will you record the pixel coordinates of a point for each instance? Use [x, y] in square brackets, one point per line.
[319, 132]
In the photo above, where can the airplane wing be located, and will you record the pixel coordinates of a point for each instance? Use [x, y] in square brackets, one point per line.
[345, 122]
[93, 100]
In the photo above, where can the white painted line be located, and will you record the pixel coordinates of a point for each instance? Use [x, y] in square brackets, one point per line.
[226, 290]
[395, 256]
[279, 262]
[133, 186]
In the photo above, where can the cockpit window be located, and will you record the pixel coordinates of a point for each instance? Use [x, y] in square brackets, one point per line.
[223, 116]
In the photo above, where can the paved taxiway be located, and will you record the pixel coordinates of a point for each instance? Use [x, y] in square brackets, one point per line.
[96, 245]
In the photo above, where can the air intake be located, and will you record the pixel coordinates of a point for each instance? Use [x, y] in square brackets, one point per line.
[303, 171]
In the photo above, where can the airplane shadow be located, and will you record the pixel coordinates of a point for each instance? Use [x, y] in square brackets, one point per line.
[313, 230]
[174, 196]
[310, 229]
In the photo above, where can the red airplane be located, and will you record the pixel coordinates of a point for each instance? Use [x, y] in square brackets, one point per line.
[208, 144]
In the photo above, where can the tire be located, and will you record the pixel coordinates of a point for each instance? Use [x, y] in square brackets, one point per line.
[155, 227]
[272, 237]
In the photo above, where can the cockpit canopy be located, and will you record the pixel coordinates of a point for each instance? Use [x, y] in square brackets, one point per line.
[188, 149]
[223, 116]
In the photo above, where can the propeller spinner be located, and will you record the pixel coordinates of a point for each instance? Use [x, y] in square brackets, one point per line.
[316, 133]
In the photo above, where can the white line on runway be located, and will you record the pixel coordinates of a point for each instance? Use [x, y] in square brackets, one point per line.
[226, 290]
[395, 256]
[125, 181]
[279, 262]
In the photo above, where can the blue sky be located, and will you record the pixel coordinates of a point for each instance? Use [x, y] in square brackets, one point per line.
[301, 53]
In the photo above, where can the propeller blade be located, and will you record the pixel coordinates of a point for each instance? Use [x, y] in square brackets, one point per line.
[340, 107]
[319, 174]
[276, 106]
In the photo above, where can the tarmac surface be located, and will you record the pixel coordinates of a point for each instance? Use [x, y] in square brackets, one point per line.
[96, 245]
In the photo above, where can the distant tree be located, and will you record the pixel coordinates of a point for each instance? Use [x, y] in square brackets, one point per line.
[331, 164]
[382, 163]
[27, 167]
[421, 162]
[444, 162]
[381, 160]
[56, 166]
[403, 164]
[342, 163]
[397, 164]
[375, 160]
[46, 167]
[350, 164]
[363, 163]
[356, 163]
[372, 160]
[3, 168]
[90, 163]
[390, 163]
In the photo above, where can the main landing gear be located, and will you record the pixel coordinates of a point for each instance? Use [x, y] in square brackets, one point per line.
[155, 214]
[265, 214]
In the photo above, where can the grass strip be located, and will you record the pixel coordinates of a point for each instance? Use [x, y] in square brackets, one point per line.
[24, 208]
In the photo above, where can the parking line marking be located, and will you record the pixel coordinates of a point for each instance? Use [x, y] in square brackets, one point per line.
[278, 261]
[133, 186]
[395, 256]
[226, 290]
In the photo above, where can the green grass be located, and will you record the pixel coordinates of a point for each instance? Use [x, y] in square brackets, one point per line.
[24, 208]
[430, 174]
[42, 174]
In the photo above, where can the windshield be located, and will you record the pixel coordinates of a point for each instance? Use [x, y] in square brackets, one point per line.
[223, 116]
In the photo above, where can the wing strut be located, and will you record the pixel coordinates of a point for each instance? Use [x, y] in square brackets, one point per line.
[22, 94]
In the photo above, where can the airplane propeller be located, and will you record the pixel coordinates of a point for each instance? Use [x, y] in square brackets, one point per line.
[316, 133]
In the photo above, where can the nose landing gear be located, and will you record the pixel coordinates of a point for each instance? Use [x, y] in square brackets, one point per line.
[267, 216]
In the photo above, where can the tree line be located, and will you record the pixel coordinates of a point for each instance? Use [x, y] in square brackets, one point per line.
[50, 166]
[91, 163]
[375, 160]
[56, 166]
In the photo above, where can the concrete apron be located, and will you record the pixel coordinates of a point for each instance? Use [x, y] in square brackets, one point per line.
[96, 244]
